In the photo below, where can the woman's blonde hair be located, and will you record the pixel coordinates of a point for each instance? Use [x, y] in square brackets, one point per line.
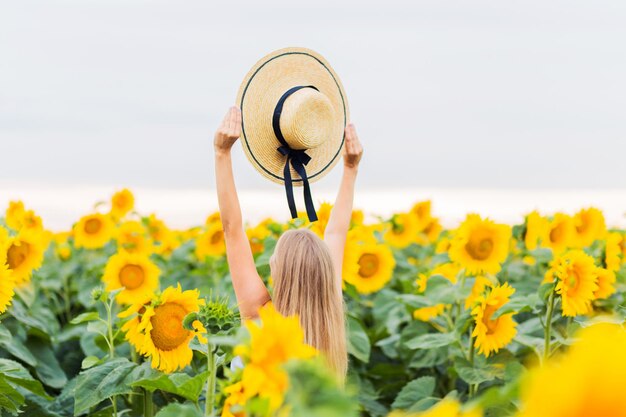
[305, 284]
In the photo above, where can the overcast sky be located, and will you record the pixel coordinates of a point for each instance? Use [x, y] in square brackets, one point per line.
[443, 93]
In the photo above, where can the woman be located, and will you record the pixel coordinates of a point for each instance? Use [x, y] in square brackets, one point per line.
[306, 270]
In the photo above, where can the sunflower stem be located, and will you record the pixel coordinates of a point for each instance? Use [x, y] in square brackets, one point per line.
[473, 388]
[209, 408]
[548, 328]
[110, 330]
[148, 406]
[114, 402]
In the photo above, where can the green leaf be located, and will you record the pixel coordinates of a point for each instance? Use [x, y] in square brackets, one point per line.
[90, 316]
[10, 398]
[414, 301]
[97, 327]
[388, 311]
[89, 361]
[439, 290]
[17, 374]
[15, 347]
[179, 384]
[358, 341]
[473, 375]
[483, 369]
[37, 317]
[545, 290]
[48, 369]
[179, 410]
[414, 391]
[517, 305]
[96, 384]
[430, 341]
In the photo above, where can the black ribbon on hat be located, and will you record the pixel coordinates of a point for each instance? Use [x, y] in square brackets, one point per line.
[298, 159]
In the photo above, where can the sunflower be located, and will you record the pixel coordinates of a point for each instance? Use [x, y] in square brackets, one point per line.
[215, 217]
[613, 252]
[560, 233]
[606, 283]
[236, 397]
[156, 330]
[368, 266]
[403, 230]
[480, 246]
[23, 253]
[7, 285]
[357, 217]
[587, 381]
[493, 334]
[589, 226]
[93, 231]
[422, 214]
[131, 327]
[577, 280]
[449, 270]
[428, 313]
[122, 203]
[481, 283]
[362, 234]
[171, 241]
[157, 229]
[132, 237]
[211, 242]
[62, 247]
[323, 215]
[135, 273]
[256, 237]
[13, 215]
[432, 230]
[443, 245]
[273, 342]
[537, 230]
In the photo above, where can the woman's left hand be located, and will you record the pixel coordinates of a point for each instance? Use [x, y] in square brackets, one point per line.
[229, 131]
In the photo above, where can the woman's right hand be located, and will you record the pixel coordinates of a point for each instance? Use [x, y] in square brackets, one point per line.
[353, 149]
[229, 131]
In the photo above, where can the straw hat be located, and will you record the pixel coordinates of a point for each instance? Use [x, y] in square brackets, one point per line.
[311, 119]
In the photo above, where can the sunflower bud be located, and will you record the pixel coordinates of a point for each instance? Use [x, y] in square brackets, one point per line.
[216, 316]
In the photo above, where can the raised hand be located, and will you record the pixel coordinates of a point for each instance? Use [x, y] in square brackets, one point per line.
[353, 150]
[229, 131]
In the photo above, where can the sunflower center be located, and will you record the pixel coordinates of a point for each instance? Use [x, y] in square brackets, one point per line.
[121, 202]
[167, 326]
[556, 234]
[217, 237]
[572, 281]
[131, 276]
[492, 325]
[397, 228]
[16, 255]
[480, 249]
[368, 265]
[93, 226]
[583, 226]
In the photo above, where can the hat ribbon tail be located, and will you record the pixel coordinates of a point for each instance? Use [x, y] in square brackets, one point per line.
[298, 159]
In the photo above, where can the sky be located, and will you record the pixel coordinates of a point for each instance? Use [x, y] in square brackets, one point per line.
[463, 94]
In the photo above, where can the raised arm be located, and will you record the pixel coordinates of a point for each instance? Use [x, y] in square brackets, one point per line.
[341, 214]
[249, 288]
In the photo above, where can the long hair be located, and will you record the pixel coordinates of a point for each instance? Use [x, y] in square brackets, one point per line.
[305, 284]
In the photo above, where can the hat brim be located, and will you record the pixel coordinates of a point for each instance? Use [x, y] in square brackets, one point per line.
[261, 89]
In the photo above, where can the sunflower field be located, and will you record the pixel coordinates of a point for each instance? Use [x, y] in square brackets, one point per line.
[125, 316]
